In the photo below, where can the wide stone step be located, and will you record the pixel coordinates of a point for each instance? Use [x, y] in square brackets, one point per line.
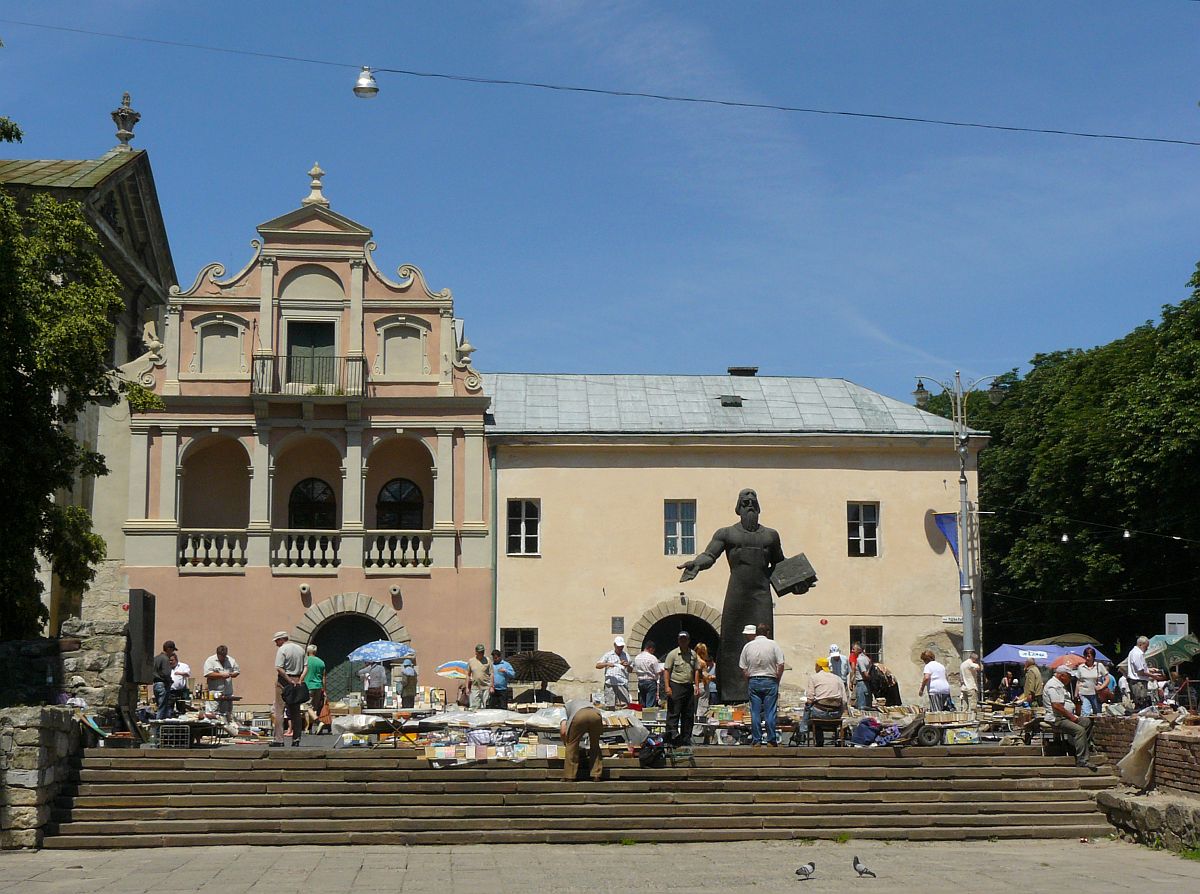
[1017, 827]
[344, 813]
[593, 795]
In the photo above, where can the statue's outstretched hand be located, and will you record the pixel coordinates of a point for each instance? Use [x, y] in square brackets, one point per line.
[690, 570]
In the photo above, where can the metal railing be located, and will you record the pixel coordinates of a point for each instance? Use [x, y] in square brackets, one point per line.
[211, 549]
[397, 549]
[310, 376]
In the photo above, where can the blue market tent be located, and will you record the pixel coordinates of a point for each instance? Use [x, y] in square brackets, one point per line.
[1012, 654]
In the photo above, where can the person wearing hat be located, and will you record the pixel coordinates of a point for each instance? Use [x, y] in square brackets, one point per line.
[681, 683]
[290, 664]
[1060, 712]
[408, 683]
[837, 662]
[616, 663]
[762, 665]
[479, 678]
[825, 699]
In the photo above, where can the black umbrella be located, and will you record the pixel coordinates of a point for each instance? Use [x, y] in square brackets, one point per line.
[536, 666]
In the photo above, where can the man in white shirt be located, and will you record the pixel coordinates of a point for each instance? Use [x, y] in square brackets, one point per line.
[1060, 712]
[1140, 674]
[648, 668]
[615, 664]
[762, 665]
[290, 664]
[181, 675]
[969, 671]
[220, 670]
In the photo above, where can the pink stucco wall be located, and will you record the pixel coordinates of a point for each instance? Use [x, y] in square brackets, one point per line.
[215, 488]
[446, 613]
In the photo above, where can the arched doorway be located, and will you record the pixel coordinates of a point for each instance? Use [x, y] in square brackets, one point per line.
[337, 638]
[664, 633]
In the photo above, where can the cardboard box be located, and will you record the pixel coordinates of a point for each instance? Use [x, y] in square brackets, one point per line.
[962, 736]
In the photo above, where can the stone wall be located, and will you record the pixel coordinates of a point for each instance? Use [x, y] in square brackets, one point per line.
[1158, 821]
[39, 754]
[94, 654]
[1176, 754]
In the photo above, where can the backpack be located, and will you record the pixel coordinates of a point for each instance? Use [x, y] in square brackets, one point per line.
[652, 754]
[866, 732]
[877, 681]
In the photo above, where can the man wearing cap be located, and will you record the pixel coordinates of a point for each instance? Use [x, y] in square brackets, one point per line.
[837, 662]
[479, 678]
[615, 663]
[582, 720]
[762, 665]
[408, 683]
[681, 682]
[826, 699]
[290, 665]
[1060, 712]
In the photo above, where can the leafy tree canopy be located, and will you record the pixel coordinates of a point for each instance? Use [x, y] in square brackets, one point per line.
[1091, 443]
[57, 300]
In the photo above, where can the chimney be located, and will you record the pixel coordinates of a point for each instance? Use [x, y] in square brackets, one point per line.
[746, 371]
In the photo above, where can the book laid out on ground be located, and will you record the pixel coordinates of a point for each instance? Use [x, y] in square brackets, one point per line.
[794, 575]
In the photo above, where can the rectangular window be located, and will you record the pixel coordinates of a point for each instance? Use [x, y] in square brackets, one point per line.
[679, 528]
[524, 521]
[863, 523]
[871, 639]
[518, 639]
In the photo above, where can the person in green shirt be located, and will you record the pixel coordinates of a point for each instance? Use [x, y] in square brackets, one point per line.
[314, 680]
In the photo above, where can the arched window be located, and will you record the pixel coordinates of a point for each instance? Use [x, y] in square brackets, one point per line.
[312, 506]
[400, 507]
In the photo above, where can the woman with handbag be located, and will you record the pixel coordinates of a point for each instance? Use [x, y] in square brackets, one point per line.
[1091, 678]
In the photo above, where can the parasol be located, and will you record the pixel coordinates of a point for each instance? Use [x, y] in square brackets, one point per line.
[537, 666]
[1170, 650]
[455, 670]
[1065, 639]
[381, 650]
[1012, 654]
[1071, 661]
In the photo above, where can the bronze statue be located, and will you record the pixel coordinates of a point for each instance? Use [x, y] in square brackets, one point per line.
[753, 552]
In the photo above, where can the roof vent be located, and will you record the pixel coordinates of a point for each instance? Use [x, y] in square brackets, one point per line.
[743, 370]
[731, 400]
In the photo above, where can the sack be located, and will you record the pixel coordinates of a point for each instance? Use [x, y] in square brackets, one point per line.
[295, 694]
[326, 715]
[877, 681]
[866, 732]
[463, 700]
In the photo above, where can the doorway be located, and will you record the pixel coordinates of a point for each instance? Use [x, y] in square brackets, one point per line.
[335, 640]
[664, 633]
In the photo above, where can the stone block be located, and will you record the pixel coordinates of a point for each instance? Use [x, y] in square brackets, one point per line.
[27, 736]
[70, 665]
[110, 628]
[22, 778]
[30, 817]
[24, 797]
[13, 839]
[29, 757]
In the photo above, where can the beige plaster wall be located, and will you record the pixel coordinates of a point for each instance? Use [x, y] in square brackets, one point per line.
[602, 541]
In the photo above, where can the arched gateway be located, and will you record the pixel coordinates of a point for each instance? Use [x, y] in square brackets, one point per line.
[338, 626]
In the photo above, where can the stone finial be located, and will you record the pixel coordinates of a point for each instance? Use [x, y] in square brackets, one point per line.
[126, 119]
[315, 197]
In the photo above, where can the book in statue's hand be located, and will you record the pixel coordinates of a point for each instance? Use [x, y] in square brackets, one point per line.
[794, 575]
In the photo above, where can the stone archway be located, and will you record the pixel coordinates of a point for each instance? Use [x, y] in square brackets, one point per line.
[668, 607]
[350, 603]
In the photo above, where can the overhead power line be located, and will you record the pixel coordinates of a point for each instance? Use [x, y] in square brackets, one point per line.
[627, 94]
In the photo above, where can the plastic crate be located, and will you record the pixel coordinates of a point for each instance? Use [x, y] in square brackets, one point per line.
[174, 735]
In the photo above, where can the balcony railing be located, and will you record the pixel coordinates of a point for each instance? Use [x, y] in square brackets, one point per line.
[305, 549]
[310, 376]
[397, 549]
[211, 549]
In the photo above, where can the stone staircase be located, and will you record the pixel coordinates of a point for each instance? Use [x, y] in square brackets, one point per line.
[262, 796]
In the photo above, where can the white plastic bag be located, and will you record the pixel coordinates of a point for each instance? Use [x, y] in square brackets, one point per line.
[1137, 767]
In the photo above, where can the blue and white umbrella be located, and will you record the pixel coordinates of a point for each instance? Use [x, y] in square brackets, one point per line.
[382, 650]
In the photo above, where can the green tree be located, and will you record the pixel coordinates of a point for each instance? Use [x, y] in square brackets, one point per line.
[57, 301]
[1091, 443]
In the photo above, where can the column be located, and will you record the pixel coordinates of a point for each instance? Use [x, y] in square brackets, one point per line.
[356, 307]
[446, 355]
[266, 307]
[139, 468]
[258, 543]
[171, 339]
[444, 532]
[352, 501]
[168, 480]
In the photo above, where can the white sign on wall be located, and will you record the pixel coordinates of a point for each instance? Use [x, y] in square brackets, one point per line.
[1177, 622]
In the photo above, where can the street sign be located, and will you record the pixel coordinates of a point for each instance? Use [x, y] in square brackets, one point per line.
[1177, 622]
[951, 619]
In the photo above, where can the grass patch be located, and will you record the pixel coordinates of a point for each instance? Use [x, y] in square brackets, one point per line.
[625, 842]
[1191, 853]
[841, 837]
[804, 842]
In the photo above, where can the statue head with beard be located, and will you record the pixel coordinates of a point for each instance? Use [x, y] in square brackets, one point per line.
[748, 509]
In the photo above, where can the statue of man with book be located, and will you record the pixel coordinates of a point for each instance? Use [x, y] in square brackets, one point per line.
[756, 563]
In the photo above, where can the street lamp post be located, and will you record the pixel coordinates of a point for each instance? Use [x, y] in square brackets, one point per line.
[962, 436]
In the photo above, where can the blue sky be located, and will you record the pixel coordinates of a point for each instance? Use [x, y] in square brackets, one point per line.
[596, 234]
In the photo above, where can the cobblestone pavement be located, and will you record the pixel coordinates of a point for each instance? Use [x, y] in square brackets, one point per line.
[1002, 866]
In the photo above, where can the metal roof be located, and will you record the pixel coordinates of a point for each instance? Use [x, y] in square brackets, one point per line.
[61, 174]
[611, 404]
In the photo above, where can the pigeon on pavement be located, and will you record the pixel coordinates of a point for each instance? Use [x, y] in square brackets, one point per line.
[861, 869]
[805, 872]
